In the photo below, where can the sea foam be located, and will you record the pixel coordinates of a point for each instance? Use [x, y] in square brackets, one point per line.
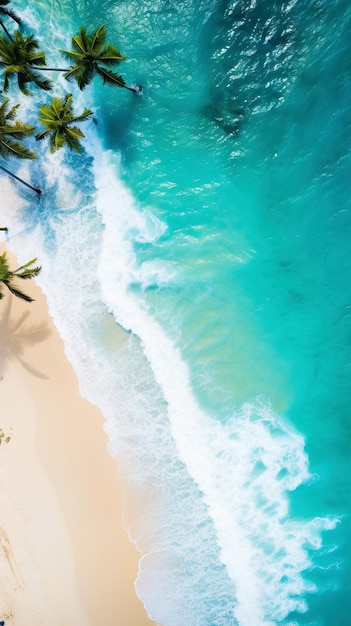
[211, 493]
[208, 504]
[243, 468]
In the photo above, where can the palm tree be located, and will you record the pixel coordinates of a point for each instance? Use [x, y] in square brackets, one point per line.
[11, 135]
[5, 12]
[90, 54]
[21, 57]
[58, 118]
[24, 272]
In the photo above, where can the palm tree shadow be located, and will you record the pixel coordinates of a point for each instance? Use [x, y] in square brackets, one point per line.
[16, 335]
[117, 127]
[38, 212]
[43, 211]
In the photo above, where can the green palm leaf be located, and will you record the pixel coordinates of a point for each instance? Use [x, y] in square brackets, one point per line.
[11, 115]
[8, 12]
[110, 77]
[37, 58]
[74, 144]
[59, 120]
[42, 135]
[57, 140]
[74, 132]
[90, 55]
[17, 292]
[80, 42]
[20, 57]
[113, 52]
[83, 116]
[5, 12]
[25, 272]
[98, 38]
[13, 132]
[9, 147]
[82, 74]
[72, 55]
[20, 130]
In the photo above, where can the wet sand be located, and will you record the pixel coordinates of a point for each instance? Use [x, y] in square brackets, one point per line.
[64, 556]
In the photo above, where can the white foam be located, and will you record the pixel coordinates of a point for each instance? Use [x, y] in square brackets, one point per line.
[244, 468]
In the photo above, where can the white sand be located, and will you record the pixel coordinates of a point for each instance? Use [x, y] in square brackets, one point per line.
[64, 557]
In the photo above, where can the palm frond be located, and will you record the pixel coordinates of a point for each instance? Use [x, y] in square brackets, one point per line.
[83, 74]
[67, 102]
[57, 118]
[71, 55]
[17, 292]
[26, 271]
[46, 113]
[42, 135]
[83, 116]
[38, 80]
[13, 16]
[12, 133]
[4, 266]
[28, 43]
[98, 38]
[12, 112]
[110, 77]
[88, 52]
[80, 42]
[22, 84]
[74, 144]
[57, 140]
[14, 148]
[19, 129]
[7, 76]
[111, 52]
[74, 132]
[54, 109]
[77, 44]
[3, 108]
[19, 56]
[13, 68]
[37, 58]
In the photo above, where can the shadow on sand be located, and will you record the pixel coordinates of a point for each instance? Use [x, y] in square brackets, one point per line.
[17, 333]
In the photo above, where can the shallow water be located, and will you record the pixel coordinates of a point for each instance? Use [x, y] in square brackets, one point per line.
[196, 264]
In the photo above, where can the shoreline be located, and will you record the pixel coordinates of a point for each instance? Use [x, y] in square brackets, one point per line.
[65, 558]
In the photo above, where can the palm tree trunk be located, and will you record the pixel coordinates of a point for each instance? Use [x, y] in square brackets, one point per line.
[52, 69]
[6, 31]
[20, 180]
[135, 88]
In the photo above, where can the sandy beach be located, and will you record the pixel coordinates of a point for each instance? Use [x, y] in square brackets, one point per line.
[64, 557]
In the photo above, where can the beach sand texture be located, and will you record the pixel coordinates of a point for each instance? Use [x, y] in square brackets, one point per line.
[64, 556]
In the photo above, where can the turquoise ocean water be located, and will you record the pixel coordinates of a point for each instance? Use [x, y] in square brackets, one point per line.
[196, 263]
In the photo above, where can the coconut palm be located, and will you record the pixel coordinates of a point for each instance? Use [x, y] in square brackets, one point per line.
[7, 276]
[58, 118]
[90, 54]
[20, 58]
[5, 12]
[12, 132]
[11, 135]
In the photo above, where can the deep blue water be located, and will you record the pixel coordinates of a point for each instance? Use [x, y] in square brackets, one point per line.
[196, 264]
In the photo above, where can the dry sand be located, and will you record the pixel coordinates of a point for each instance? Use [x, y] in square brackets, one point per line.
[64, 556]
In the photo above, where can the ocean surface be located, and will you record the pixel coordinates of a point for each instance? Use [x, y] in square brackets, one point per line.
[196, 261]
